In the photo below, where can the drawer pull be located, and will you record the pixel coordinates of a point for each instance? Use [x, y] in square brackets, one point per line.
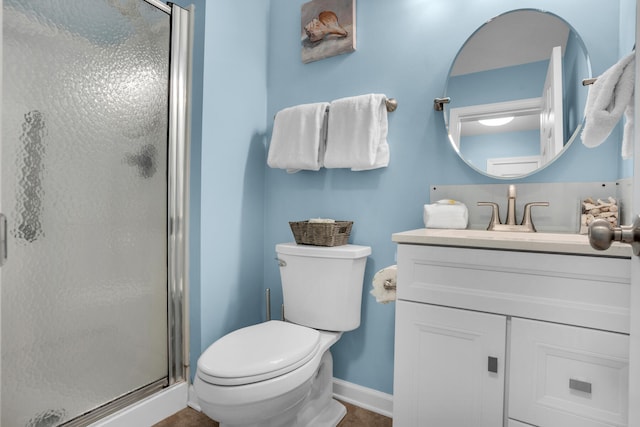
[492, 364]
[578, 385]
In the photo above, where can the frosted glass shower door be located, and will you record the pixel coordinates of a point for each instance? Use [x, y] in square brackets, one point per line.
[84, 190]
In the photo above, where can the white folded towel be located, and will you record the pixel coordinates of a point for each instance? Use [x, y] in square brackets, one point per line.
[298, 138]
[322, 221]
[609, 98]
[446, 214]
[357, 133]
[629, 129]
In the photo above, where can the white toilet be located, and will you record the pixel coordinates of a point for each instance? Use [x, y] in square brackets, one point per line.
[280, 373]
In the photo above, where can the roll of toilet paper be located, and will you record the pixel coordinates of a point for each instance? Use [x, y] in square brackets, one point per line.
[384, 284]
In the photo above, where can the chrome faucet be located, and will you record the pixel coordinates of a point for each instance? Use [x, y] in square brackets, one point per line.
[511, 205]
[526, 225]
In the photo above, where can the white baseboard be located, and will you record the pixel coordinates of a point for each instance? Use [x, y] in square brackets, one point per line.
[192, 400]
[149, 411]
[367, 398]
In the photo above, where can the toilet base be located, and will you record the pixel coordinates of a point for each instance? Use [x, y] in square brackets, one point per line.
[332, 415]
[317, 408]
[320, 409]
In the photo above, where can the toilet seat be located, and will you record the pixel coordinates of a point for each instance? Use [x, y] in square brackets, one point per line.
[258, 353]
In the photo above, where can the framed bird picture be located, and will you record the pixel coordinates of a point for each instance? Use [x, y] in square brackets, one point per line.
[328, 28]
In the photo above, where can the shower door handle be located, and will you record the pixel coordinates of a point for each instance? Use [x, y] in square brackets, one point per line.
[3, 239]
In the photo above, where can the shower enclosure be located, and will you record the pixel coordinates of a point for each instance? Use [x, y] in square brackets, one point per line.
[93, 163]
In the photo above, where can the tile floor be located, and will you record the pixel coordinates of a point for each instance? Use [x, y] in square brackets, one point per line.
[356, 417]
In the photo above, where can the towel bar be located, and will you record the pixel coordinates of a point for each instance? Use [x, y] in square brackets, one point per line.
[587, 82]
[390, 103]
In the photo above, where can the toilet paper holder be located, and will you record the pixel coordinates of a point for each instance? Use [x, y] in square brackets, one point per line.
[389, 284]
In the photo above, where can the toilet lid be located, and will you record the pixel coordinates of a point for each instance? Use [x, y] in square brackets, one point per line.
[257, 353]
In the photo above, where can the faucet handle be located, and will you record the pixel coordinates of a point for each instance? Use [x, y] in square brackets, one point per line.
[495, 213]
[526, 218]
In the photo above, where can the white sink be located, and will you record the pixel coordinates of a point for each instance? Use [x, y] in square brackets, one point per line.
[511, 235]
[520, 241]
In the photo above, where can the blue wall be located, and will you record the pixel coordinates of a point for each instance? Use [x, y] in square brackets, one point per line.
[252, 69]
[497, 85]
[477, 149]
[228, 292]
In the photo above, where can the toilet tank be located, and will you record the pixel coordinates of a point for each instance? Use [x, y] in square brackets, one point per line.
[322, 286]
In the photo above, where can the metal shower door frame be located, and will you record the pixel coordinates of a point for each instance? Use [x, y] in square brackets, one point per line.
[178, 197]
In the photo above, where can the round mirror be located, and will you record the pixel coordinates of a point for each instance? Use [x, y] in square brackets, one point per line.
[516, 98]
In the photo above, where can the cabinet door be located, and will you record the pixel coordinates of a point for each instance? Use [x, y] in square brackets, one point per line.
[567, 376]
[449, 367]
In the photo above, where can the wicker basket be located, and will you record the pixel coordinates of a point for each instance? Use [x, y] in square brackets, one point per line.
[321, 233]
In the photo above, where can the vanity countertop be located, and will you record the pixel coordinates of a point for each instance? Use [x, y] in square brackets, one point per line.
[516, 241]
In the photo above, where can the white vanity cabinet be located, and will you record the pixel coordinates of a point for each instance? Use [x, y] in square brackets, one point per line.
[488, 338]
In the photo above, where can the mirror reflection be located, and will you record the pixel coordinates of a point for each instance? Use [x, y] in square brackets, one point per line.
[516, 93]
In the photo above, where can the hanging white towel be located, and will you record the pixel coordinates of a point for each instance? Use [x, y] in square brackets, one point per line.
[357, 133]
[609, 98]
[298, 138]
[629, 129]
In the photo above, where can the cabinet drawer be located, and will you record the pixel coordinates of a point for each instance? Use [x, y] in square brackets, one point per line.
[570, 289]
[567, 376]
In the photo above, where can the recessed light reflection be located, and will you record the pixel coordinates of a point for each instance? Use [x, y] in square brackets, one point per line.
[500, 121]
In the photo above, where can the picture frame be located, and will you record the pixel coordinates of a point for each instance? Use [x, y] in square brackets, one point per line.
[328, 28]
